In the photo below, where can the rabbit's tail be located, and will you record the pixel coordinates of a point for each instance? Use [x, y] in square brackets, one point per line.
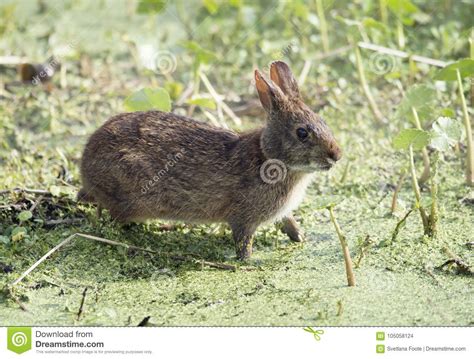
[85, 196]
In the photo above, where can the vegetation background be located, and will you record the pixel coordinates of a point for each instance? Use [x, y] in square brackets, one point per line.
[197, 58]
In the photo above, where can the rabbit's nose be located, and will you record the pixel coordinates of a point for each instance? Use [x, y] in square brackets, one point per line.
[335, 154]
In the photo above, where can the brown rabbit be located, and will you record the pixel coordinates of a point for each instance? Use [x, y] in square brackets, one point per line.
[153, 164]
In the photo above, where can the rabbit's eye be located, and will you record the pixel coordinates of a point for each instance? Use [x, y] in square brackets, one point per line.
[302, 133]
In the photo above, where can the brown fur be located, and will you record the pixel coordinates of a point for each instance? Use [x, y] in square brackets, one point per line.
[154, 164]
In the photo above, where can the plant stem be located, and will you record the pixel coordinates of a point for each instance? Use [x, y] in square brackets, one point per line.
[26, 190]
[345, 248]
[426, 158]
[304, 72]
[218, 99]
[399, 225]
[373, 105]
[416, 189]
[345, 172]
[197, 85]
[401, 54]
[411, 71]
[397, 189]
[400, 35]
[42, 259]
[114, 243]
[81, 307]
[383, 11]
[434, 216]
[471, 46]
[363, 249]
[467, 125]
[323, 25]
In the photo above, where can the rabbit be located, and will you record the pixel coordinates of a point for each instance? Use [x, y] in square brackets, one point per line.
[153, 164]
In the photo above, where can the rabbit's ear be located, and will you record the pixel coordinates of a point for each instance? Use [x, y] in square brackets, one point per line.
[281, 74]
[270, 95]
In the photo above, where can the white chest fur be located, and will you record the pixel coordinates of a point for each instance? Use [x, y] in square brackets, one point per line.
[295, 197]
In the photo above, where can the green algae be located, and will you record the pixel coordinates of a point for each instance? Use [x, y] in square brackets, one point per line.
[291, 284]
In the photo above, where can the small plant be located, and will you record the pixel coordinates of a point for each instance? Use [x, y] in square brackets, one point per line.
[404, 10]
[445, 133]
[363, 246]
[416, 106]
[456, 72]
[379, 117]
[323, 25]
[345, 247]
[409, 140]
[148, 99]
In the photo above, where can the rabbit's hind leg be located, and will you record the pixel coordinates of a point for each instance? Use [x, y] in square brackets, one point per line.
[99, 211]
[243, 238]
[85, 196]
[122, 213]
[291, 229]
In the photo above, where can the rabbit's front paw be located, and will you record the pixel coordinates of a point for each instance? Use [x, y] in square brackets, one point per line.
[243, 238]
[291, 229]
[244, 252]
[243, 247]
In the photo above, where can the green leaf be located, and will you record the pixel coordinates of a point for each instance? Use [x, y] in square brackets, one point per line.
[421, 97]
[151, 6]
[18, 234]
[24, 216]
[370, 22]
[58, 191]
[446, 133]
[402, 7]
[411, 137]
[297, 8]
[202, 55]
[448, 112]
[174, 89]
[55, 190]
[236, 3]
[211, 6]
[148, 99]
[393, 75]
[4, 239]
[404, 10]
[203, 102]
[465, 67]
[346, 21]
[323, 203]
